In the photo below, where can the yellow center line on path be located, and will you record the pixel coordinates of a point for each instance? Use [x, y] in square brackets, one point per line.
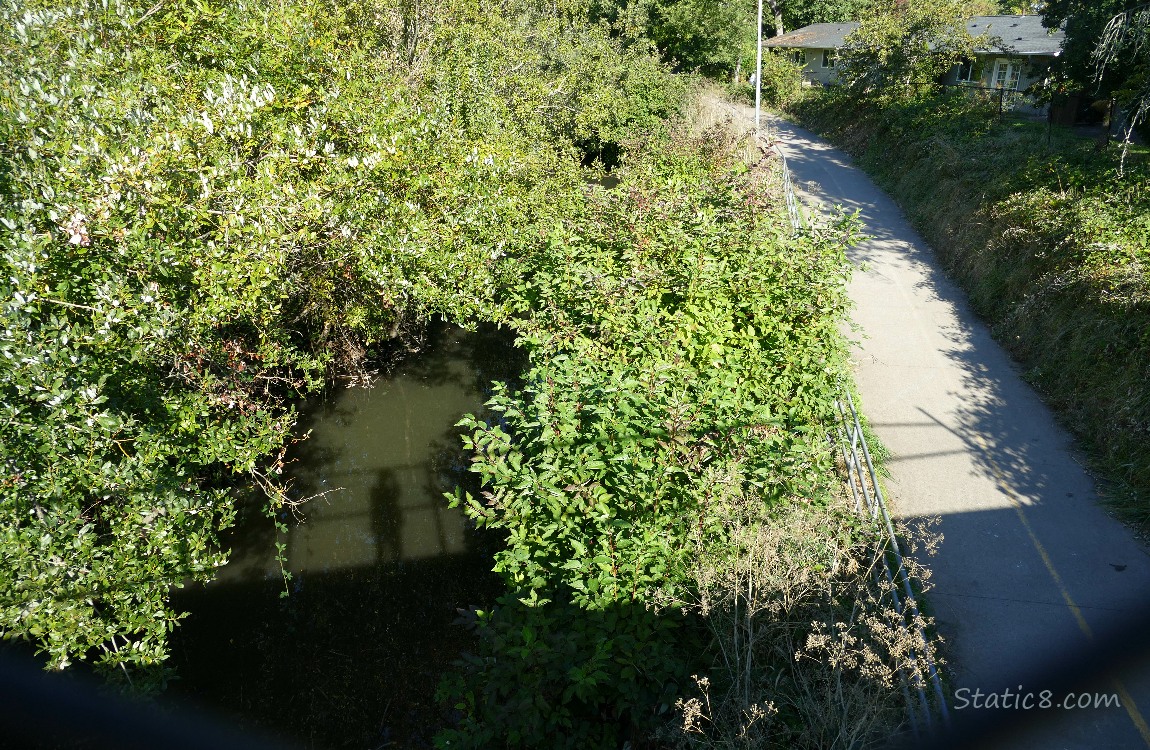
[1120, 688]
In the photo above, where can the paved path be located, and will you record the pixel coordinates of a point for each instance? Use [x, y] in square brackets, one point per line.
[1031, 571]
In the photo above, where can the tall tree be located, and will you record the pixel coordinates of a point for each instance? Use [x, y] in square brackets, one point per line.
[1106, 52]
[701, 35]
[799, 13]
[1125, 44]
[1083, 21]
[776, 8]
[901, 44]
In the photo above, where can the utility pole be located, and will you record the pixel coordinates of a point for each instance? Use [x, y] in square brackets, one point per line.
[758, 66]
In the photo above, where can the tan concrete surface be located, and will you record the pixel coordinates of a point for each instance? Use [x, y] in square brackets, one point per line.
[1031, 570]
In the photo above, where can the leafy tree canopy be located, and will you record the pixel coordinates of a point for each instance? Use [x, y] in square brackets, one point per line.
[695, 35]
[903, 44]
[1083, 22]
[799, 13]
[701, 35]
[1107, 50]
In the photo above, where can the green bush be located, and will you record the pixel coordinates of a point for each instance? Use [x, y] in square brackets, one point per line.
[782, 80]
[206, 207]
[684, 346]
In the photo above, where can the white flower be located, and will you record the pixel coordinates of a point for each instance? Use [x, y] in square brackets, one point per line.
[78, 231]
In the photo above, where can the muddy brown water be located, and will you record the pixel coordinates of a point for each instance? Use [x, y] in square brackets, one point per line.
[380, 565]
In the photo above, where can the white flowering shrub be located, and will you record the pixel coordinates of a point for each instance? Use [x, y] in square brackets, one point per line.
[204, 207]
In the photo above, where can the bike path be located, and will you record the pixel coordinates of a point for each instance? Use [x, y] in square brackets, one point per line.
[1031, 571]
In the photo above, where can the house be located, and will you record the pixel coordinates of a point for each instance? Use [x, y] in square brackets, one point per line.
[814, 48]
[1015, 52]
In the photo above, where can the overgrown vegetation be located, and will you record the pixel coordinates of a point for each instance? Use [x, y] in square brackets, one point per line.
[899, 46]
[809, 649]
[208, 206]
[211, 208]
[1050, 238]
[666, 466]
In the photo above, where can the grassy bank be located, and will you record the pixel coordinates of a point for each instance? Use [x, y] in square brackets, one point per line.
[1050, 237]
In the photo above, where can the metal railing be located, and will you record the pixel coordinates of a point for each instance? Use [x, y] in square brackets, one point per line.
[868, 498]
[789, 194]
[928, 697]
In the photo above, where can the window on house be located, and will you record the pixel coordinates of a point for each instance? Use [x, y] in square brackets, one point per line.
[799, 56]
[828, 58]
[969, 72]
[1006, 74]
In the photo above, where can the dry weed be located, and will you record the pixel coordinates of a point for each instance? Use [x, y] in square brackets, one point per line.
[809, 652]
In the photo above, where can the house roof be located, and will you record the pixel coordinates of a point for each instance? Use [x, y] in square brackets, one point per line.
[815, 36]
[1020, 35]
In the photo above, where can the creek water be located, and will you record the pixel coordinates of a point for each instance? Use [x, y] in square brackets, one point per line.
[380, 564]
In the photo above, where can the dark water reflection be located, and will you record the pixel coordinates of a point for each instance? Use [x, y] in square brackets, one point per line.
[380, 565]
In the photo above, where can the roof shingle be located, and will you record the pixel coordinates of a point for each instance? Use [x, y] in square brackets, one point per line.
[815, 36]
[1022, 35]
